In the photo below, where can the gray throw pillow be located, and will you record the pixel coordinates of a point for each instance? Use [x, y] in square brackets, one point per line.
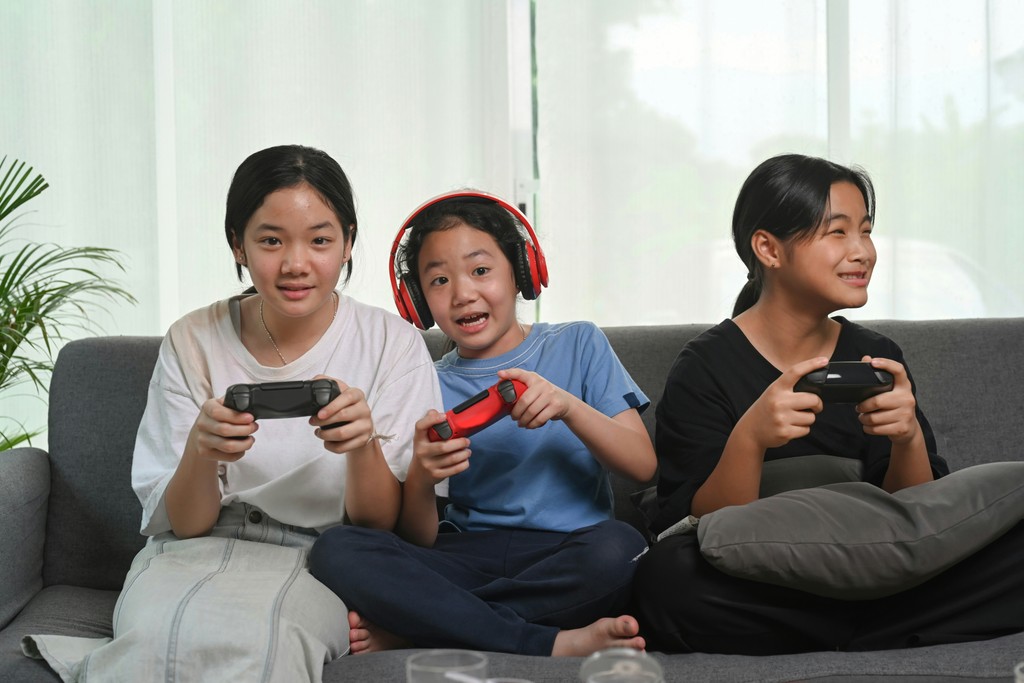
[807, 471]
[854, 541]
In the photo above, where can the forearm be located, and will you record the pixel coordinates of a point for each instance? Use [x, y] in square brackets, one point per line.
[193, 496]
[620, 443]
[418, 518]
[372, 493]
[908, 464]
[736, 479]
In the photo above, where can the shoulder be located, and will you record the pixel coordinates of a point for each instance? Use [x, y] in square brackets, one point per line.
[582, 332]
[713, 344]
[862, 340]
[199, 324]
[374, 317]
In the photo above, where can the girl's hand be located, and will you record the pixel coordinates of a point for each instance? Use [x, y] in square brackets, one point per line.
[438, 459]
[349, 407]
[542, 401]
[893, 413]
[780, 414]
[221, 434]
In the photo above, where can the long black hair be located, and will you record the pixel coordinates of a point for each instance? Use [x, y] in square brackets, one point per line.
[786, 196]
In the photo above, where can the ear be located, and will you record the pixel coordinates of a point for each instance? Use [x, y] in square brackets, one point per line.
[767, 248]
[239, 253]
[348, 244]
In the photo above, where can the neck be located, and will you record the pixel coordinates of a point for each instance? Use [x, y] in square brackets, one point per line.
[290, 338]
[787, 335]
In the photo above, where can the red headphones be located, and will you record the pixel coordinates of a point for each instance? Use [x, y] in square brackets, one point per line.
[529, 266]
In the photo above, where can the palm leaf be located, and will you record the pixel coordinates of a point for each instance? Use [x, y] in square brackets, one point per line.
[13, 191]
[47, 293]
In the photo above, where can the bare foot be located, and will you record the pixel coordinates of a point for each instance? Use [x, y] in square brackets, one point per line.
[365, 637]
[604, 633]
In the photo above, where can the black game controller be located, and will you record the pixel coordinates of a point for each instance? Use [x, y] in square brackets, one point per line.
[480, 411]
[846, 382]
[283, 399]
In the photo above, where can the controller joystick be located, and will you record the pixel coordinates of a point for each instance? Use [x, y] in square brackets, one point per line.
[272, 400]
[846, 382]
[479, 411]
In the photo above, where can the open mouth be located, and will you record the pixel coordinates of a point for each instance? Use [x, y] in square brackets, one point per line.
[473, 321]
[862, 275]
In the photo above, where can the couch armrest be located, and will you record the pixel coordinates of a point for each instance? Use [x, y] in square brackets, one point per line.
[24, 493]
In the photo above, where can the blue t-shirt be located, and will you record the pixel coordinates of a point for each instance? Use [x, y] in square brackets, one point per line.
[538, 478]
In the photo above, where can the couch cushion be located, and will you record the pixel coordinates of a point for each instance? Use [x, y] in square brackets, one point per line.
[855, 541]
[61, 610]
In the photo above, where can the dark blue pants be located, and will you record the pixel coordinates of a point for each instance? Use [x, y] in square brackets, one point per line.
[501, 591]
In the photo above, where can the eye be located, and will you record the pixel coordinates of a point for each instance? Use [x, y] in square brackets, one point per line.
[270, 241]
[481, 270]
[321, 241]
[438, 281]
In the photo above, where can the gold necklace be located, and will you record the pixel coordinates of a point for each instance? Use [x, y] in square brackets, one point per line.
[271, 337]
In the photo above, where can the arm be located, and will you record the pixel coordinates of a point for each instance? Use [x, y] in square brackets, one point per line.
[777, 417]
[372, 493]
[432, 463]
[894, 415]
[620, 443]
[192, 498]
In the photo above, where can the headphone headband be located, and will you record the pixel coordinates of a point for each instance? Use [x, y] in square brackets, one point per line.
[531, 273]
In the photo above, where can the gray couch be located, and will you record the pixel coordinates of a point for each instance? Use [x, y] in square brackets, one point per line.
[69, 521]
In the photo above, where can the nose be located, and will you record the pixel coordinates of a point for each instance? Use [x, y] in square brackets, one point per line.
[463, 291]
[295, 261]
[862, 249]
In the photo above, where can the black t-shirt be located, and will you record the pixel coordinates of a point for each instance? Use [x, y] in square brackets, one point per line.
[713, 382]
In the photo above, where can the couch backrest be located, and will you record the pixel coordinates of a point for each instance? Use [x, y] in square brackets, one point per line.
[970, 384]
[970, 375]
[97, 395]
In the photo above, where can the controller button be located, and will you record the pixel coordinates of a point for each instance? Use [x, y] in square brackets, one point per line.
[255, 517]
[443, 430]
[507, 391]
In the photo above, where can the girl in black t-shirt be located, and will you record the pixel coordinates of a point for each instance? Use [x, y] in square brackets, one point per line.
[802, 226]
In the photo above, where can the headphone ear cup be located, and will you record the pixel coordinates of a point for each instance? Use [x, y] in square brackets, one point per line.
[418, 313]
[524, 270]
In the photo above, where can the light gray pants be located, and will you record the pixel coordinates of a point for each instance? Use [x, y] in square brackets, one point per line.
[237, 605]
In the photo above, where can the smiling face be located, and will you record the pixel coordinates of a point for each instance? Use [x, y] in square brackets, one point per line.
[470, 288]
[294, 249]
[831, 269]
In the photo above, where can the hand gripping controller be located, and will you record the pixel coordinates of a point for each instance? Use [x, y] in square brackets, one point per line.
[846, 382]
[283, 399]
[480, 411]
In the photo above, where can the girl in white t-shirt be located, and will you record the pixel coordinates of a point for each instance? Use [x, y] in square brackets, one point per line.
[221, 590]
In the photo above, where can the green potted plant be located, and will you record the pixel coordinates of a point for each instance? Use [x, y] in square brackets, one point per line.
[46, 292]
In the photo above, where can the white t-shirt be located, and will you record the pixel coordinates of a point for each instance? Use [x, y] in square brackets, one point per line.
[287, 473]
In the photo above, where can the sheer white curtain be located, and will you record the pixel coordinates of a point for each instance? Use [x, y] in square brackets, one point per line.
[137, 113]
[647, 114]
[651, 114]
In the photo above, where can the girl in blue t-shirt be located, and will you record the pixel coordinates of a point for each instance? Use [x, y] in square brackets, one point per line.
[527, 558]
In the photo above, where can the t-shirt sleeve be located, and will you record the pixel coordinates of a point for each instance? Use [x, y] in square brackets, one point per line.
[170, 413]
[409, 390]
[607, 385]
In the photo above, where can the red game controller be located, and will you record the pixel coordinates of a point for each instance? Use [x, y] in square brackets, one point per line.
[480, 411]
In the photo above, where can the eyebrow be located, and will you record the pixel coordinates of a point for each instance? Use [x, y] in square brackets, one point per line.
[276, 228]
[841, 216]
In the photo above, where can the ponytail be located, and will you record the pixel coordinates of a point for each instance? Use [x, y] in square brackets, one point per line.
[748, 296]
